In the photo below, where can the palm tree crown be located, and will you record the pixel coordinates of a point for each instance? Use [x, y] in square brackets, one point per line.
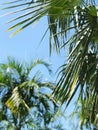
[23, 98]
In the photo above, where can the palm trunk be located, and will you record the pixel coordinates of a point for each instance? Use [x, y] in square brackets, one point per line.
[17, 123]
[18, 127]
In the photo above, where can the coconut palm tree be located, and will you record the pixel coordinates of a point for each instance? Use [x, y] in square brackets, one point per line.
[24, 101]
[80, 74]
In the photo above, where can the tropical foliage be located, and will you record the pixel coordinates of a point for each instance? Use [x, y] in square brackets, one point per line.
[80, 74]
[24, 100]
[60, 15]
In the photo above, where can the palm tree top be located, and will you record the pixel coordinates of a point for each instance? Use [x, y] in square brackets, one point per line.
[23, 95]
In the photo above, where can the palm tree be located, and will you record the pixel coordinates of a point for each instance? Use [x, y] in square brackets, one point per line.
[80, 74]
[81, 19]
[24, 102]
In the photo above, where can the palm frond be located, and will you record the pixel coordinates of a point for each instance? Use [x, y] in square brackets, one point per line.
[81, 45]
[60, 15]
[15, 101]
[39, 62]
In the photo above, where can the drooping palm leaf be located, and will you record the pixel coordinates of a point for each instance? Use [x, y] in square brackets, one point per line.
[82, 43]
[60, 15]
[80, 72]
[15, 101]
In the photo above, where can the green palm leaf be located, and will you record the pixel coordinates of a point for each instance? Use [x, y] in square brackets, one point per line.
[60, 15]
[15, 101]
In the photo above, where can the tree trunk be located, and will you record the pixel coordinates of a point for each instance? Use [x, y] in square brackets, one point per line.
[18, 127]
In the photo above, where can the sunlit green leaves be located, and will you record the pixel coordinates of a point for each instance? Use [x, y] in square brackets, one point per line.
[15, 101]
